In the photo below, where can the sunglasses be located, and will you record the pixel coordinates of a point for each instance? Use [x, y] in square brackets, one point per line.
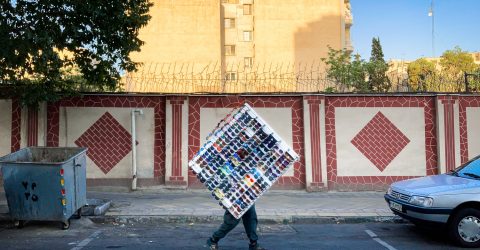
[256, 125]
[257, 190]
[241, 203]
[237, 116]
[242, 172]
[201, 178]
[236, 209]
[208, 172]
[250, 178]
[252, 193]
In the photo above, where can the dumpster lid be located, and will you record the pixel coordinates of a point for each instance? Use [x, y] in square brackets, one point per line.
[43, 155]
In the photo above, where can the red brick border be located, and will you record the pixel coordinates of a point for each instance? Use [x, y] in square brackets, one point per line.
[177, 110]
[32, 127]
[156, 102]
[376, 182]
[314, 103]
[448, 102]
[295, 103]
[464, 103]
[16, 125]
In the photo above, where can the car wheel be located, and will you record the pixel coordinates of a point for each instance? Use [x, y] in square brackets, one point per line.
[464, 227]
[419, 224]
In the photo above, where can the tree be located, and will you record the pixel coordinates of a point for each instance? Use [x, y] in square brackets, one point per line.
[377, 69]
[457, 61]
[346, 71]
[454, 64]
[44, 39]
[473, 80]
[421, 75]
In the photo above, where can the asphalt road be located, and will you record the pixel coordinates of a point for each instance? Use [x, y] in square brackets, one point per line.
[83, 234]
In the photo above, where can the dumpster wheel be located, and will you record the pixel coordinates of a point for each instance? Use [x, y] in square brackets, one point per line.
[19, 223]
[66, 224]
[78, 214]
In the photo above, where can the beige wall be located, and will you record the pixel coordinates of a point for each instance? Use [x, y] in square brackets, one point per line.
[473, 128]
[74, 121]
[182, 31]
[476, 57]
[5, 126]
[411, 161]
[297, 31]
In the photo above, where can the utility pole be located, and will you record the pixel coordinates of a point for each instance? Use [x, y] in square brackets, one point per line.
[431, 13]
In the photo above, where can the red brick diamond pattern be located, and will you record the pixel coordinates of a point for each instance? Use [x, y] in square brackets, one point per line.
[380, 141]
[108, 142]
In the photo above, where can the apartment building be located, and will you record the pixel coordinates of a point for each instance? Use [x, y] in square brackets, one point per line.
[222, 39]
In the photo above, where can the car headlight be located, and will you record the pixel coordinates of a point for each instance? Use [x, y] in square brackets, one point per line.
[421, 201]
[389, 191]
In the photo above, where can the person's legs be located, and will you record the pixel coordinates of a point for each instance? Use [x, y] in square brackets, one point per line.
[250, 222]
[229, 223]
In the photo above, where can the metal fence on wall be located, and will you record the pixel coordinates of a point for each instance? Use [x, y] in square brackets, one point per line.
[472, 82]
[275, 78]
[233, 78]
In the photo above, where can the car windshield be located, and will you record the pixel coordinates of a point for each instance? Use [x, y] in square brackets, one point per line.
[470, 169]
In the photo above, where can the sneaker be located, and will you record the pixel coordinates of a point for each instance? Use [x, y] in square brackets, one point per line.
[255, 246]
[212, 245]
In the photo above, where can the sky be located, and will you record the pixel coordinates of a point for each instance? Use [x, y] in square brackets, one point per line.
[405, 29]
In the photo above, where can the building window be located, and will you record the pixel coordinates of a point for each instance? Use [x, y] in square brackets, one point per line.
[229, 23]
[231, 76]
[248, 61]
[229, 50]
[247, 9]
[247, 36]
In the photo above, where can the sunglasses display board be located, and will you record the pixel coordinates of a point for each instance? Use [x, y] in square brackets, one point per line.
[241, 159]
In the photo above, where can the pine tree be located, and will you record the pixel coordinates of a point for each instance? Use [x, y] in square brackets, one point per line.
[377, 52]
[377, 69]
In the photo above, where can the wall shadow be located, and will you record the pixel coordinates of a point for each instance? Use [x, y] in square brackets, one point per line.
[311, 44]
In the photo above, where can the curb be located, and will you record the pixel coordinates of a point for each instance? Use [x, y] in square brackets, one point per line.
[5, 217]
[94, 207]
[188, 219]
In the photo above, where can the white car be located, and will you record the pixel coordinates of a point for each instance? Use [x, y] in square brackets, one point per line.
[451, 199]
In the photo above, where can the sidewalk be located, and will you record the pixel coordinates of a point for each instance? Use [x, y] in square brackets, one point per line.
[194, 206]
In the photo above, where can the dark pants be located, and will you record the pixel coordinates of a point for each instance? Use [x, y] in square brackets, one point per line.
[229, 222]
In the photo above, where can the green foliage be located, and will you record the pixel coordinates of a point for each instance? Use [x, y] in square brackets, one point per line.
[454, 64]
[346, 71]
[351, 73]
[444, 75]
[43, 39]
[377, 69]
[421, 75]
[377, 52]
[457, 61]
[330, 90]
[474, 81]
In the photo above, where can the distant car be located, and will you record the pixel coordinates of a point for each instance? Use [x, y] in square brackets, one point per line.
[451, 199]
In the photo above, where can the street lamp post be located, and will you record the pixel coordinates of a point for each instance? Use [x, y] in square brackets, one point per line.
[431, 13]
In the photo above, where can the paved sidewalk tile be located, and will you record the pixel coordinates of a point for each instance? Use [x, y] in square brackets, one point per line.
[274, 205]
